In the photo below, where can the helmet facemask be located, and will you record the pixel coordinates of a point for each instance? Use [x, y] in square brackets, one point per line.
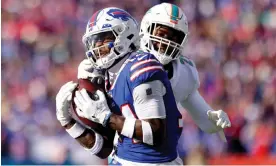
[104, 47]
[165, 42]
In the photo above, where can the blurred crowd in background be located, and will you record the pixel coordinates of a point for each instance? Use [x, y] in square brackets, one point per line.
[233, 43]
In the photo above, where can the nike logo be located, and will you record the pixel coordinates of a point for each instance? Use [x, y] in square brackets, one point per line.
[141, 57]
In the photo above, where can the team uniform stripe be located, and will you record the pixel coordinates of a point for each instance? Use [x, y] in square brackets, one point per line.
[93, 19]
[141, 63]
[139, 72]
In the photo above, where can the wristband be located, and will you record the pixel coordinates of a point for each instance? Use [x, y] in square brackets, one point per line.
[128, 128]
[97, 145]
[147, 133]
[76, 130]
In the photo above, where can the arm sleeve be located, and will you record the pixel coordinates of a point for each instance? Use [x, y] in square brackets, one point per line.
[197, 108]
[148, 100]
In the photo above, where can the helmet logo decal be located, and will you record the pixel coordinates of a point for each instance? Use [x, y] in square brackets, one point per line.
[119, 14]
[174, 14]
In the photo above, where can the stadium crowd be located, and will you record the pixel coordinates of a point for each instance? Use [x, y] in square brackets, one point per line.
[233, 43]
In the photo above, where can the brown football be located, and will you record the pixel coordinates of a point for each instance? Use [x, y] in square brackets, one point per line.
[91, 89]
[106, 132]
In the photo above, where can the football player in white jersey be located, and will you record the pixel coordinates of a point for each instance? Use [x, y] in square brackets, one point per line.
[165, 29]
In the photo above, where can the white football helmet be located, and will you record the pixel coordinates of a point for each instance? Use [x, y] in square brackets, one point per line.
[115, 26]
[169, 16]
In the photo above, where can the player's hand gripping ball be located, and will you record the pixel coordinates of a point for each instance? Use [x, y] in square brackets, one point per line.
[91, 88]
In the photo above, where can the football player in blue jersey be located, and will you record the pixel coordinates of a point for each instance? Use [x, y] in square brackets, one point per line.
[164, 30]
[142, 106]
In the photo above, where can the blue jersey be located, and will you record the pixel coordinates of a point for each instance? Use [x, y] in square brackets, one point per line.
[139, 68]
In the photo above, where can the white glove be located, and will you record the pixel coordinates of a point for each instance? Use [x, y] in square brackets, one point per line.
[220, 118]
[94, 110]
[63, 102]
[86, 70]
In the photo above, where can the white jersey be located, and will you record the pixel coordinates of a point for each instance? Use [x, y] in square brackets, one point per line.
[185, 78]
[185, 84]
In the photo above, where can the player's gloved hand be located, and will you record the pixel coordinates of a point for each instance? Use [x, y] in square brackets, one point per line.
[87, 71]
[63, 102]
[220, 118]
[95, 110]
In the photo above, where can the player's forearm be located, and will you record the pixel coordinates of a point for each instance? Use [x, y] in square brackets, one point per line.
[88, 138]
[157, 126]
[197, 108]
